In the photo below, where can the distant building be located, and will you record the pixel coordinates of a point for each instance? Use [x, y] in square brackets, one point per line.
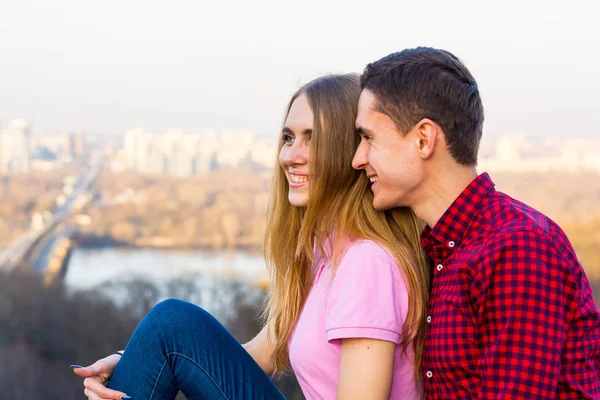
[183, 154]
[1, 151]
[519, 154]
[264, 154]
[15, 147]
[233, 147]
[74, 144]
[54, 143]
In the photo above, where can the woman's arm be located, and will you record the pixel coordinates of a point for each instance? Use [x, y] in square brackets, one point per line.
[366, 370]
[260, 349]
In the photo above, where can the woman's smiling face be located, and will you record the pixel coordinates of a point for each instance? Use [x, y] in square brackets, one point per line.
[294, 156]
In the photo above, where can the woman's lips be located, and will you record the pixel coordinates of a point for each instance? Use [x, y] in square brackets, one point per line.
[297, 181]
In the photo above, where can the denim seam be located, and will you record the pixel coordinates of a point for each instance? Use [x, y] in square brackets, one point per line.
[158, 377]
[193, 362]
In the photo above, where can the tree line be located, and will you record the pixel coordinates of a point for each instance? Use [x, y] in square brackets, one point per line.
[44, 329]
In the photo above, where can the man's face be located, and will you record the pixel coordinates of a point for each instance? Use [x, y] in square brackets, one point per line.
[389, 158]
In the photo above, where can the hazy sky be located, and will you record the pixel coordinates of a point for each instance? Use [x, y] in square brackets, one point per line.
[107, 66]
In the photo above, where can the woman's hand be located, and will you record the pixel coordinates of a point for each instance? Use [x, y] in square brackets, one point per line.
[97, 375]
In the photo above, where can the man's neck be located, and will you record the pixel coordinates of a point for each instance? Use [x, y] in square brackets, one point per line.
[440, 191]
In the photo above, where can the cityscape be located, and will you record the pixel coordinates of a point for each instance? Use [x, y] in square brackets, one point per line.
[180, 153]
[174, 153]
[517, 153]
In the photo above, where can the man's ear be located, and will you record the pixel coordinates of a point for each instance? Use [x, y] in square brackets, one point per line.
[428, 136]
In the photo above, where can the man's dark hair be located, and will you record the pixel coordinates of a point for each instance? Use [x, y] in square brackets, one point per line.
[429, 83]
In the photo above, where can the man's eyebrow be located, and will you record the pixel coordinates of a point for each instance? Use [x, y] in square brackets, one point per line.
[363, 131]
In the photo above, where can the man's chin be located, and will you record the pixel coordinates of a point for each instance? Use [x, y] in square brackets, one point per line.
[380, 205]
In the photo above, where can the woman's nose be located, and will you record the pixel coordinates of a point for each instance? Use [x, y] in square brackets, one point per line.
[297, 154]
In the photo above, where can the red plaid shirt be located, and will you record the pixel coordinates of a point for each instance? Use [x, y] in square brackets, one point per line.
[511, 313]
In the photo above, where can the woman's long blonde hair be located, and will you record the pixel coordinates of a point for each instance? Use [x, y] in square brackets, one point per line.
[340, 207]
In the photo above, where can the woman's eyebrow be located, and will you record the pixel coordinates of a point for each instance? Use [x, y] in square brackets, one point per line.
[288, 130]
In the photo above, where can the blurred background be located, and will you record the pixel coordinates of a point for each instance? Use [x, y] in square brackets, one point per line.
[138, 139]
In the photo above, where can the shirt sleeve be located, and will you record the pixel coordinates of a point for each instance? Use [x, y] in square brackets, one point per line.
[368, 296]
[523, 297]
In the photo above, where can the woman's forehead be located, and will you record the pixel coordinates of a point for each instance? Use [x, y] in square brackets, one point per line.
[300, 117]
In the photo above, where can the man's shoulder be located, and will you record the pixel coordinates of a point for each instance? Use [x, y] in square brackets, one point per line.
[504, 214]
[507, 223]
[502, 217]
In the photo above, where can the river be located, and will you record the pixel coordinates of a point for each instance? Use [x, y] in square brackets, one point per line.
[211, 279]
[91, 267]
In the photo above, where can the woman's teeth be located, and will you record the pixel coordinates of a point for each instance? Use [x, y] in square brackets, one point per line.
[298, 179]
[373, 179]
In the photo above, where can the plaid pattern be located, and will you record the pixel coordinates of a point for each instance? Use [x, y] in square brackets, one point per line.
[511, 313]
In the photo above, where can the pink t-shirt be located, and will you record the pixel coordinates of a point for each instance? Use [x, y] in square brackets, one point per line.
[366, 299]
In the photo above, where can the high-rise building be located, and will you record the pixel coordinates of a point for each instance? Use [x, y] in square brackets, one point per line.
[74, 144]
[80, 147]
[521, 154]
[1, 151]
[233, 147]
[264, 153]
[137, 148]
[183, 154]
[15, 147]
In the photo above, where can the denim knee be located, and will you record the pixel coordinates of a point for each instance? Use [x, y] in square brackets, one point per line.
[175, 313]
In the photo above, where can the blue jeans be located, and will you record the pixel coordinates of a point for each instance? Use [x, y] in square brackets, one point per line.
[179, 346]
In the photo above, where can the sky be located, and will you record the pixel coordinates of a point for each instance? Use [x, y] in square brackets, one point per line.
[108, 66]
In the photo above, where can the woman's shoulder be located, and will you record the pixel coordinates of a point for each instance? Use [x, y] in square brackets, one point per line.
[366, 255]
[367, 278]
[362, 249]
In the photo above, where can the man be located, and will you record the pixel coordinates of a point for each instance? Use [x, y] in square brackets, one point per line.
[511, 313]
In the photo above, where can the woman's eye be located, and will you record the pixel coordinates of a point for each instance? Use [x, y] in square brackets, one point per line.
[288, 139]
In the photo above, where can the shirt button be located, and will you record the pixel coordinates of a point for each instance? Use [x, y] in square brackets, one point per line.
[429, 374]
[451, 243]
[439, 267]
[429, 319]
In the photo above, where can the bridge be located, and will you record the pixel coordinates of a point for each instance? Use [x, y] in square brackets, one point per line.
[47, 250]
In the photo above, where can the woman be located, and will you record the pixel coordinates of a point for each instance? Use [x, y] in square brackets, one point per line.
[348, 294]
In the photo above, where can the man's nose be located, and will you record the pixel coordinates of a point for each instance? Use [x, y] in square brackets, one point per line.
[360, 157]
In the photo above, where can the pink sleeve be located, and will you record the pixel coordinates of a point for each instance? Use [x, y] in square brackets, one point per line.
[368, 296]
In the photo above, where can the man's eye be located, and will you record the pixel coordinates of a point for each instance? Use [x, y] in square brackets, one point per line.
[288, 139]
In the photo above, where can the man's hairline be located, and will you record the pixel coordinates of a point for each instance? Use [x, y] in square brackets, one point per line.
[379, 108]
